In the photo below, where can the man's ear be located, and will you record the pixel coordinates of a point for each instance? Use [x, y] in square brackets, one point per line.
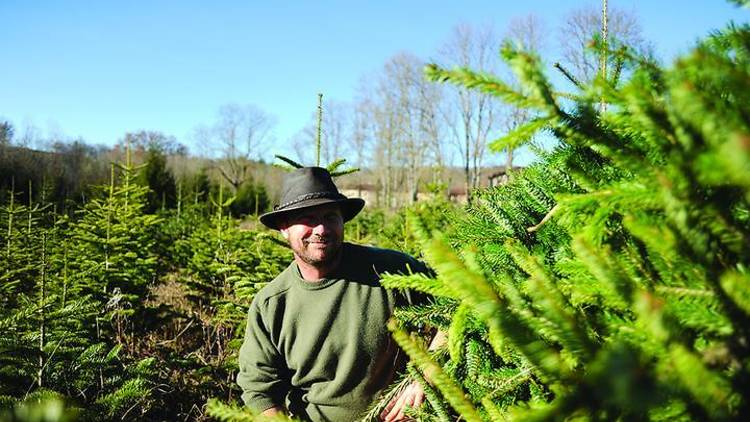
[284, 232]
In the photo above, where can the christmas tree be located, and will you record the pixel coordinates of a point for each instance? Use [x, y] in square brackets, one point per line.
[610, 279]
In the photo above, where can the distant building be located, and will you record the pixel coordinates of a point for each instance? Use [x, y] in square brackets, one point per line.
[500, 177]
[457, 194]
[366, 191]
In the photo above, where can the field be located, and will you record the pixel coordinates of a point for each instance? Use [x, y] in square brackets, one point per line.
[609, 280]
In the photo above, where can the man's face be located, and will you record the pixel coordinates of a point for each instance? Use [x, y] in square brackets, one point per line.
[315, 234]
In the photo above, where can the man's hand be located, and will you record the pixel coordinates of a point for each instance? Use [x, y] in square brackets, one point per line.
[273, 412]
[412, 396]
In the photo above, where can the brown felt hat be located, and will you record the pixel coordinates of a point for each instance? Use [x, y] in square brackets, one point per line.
[309, 187]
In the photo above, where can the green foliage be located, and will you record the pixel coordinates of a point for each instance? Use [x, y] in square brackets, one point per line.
[291, 163]
[158, 178]
[332, 168]
[442, 381]
[197, 189]
[233, 413]
[220, 267]
[609, 280]
[250, 199]
[65, 315]
[393, 230]
[43, 406]
[223, 264]
[228, 413]
[111, 253]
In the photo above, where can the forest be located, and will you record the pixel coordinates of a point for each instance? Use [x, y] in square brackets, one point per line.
[605, 280]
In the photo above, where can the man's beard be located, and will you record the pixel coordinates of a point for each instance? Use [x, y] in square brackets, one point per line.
[333, 250]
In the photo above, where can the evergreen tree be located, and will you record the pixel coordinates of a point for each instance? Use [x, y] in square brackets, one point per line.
[110, 259]
[111, 256]
[250, 199]
[225, 266]
[48, 351]
[19, 272]
[158, 178]
[6, 133]
[608, 281]
[197, 188]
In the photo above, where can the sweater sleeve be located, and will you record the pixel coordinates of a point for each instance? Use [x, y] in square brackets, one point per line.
[262, 369]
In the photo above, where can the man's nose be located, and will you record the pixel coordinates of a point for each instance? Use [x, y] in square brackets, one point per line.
[321, 228]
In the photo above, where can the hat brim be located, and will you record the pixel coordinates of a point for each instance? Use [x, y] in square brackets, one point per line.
[350, 207]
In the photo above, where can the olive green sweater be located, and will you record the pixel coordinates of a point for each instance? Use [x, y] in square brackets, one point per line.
[321, 349]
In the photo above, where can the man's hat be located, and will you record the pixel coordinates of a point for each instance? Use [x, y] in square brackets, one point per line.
[309, 187]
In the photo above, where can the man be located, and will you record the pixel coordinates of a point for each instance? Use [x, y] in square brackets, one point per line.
[316, 343]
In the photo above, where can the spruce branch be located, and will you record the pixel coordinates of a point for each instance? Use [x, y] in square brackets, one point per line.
[345, 172]
[568, 75]
[566, 326]
[436, 315]
[520, 135]
[452, 393]
[432, 396]
[293, 164]
[493, 411]
[419, 282]
[546, 218]
[736, 286]
[232, 413]
[319, 132]
[333, 166]
[457, 333]
[384, 398]
[483, 82]
[619, 63]
[711, 390]
[528, 70]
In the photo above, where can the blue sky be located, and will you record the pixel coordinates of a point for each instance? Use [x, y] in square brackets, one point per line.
[98, 69]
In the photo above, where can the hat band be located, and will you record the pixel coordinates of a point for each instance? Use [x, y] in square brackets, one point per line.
[309, 196]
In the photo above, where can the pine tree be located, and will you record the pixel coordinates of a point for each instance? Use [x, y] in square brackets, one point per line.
[224, 267]
[19, 271]
[109, 262]
[48, 352]
[162, 193]
[111, 256]
[609, 280]
[250, 199]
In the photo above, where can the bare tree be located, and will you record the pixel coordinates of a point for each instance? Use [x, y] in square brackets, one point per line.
[385, 132]
[30, 135]
[238, 135]
[469, 114]
[303, 143]
[360, 139]
[402, 73]
[135, 146]
[527, 33]
[145, 139]
[336, 129]
[403, 125]
[583, 24]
